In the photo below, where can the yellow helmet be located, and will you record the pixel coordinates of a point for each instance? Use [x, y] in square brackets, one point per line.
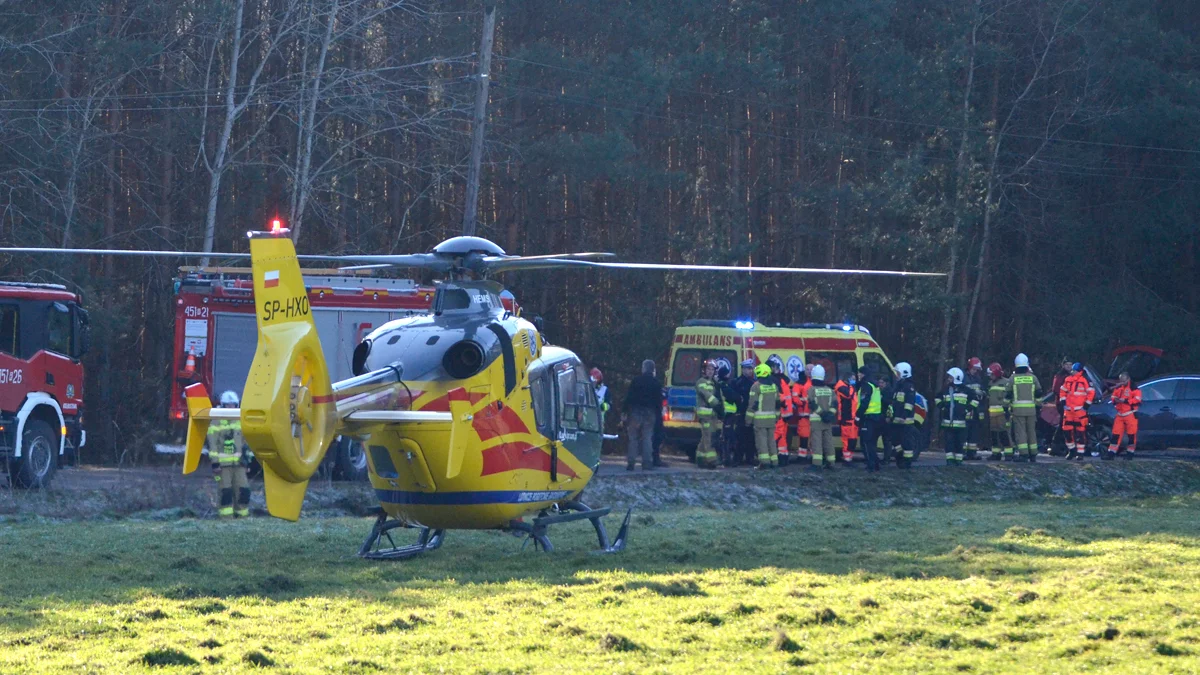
[762, 370]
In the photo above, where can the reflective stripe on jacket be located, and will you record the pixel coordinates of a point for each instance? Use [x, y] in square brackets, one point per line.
[708, 396]
[1127, 399]
[225, 441]
[1023, 393]
[763, 398]
[998, 397]
[902, 402]
[1076, 392]
[957, 404]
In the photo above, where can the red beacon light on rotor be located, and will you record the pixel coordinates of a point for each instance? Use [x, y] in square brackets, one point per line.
[276, 229]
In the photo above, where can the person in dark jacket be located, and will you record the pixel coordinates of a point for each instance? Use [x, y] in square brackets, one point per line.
[729, 423]
[870, 417]
[643, 407]
[744, 452]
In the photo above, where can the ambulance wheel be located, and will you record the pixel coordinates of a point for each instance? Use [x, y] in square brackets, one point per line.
[39, 456]
[351, 460]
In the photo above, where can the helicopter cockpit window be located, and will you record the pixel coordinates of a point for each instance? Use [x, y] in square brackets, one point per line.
[542, 394]
[590, 418]
[577, 400]
[455, 298]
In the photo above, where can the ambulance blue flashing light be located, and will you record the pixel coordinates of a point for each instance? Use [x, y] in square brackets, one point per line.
[744, 325]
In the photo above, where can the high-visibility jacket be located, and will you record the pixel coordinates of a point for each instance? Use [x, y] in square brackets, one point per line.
[998, 397]
[957, 405]
[708, 397]
[975, 382]
[1023, 393]
[820, 399]
[1075, 393]
[903, 397]
[225, 442]
[800, 399]
[786, 401]
[870, 399]
[847, 402]
[762, 406]
[1127, 399]
[602, 397]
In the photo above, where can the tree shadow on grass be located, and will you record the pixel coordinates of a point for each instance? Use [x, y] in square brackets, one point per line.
[203, 567]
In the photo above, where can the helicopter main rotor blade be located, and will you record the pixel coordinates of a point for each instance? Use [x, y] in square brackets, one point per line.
[739, 268]
[493, 264]
[152, 254]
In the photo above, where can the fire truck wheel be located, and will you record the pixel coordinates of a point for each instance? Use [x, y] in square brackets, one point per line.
[351, 460]
[39, 450]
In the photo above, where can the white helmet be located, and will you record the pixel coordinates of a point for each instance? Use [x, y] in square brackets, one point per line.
[905, 370]
[956, 375]
[1021, 361]
[818, 373]
[229, 398]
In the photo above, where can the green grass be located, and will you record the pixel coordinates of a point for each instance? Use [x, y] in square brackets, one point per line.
[1051, 586]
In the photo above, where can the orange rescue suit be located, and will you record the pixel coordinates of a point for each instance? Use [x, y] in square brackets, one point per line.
[786, 408]
[1126, 399]
[1076, 393]
[803, 429]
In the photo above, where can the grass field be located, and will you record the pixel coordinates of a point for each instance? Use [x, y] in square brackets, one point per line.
[1050, 586]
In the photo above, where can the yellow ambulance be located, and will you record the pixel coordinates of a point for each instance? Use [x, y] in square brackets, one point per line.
[840, 348]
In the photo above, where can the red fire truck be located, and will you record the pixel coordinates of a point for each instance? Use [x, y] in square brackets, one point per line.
[43, 334]
[216, 335]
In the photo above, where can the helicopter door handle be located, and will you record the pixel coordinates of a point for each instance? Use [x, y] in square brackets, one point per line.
[553, 462]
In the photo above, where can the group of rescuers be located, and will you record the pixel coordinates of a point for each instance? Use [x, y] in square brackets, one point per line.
[764, 419]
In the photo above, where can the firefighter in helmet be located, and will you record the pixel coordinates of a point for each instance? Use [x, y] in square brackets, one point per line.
[229, 462]
[710, 406]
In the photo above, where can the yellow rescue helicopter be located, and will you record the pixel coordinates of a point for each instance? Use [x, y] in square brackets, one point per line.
[470, 420]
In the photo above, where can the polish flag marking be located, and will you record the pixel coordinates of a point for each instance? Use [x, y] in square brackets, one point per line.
[271, 279]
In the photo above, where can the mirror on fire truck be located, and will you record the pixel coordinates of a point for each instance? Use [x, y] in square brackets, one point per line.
[82, 334]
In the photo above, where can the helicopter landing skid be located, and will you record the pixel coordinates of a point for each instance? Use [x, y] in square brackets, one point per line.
[535, 530]
[372, 548]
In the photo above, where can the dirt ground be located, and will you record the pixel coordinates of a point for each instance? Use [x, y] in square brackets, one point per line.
[163, 493]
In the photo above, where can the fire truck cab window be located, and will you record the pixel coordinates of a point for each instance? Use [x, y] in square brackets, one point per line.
[8, 329]
[58, 324]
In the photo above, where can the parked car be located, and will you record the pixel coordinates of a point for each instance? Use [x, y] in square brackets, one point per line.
[1169, 416]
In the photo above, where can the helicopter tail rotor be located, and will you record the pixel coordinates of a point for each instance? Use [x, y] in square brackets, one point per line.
[288, 414]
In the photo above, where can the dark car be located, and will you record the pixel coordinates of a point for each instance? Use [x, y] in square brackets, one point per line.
[1169, 416]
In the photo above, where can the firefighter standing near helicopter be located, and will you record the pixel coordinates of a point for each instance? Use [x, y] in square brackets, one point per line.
[822, 416]
[762, 412]
[710, 408]
[999, 414]
[957, 405]
[976, 381]
[229, 462]
[1021, 397]
[903, 431]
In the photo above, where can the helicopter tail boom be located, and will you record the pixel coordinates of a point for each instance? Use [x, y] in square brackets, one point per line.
[288, 412]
